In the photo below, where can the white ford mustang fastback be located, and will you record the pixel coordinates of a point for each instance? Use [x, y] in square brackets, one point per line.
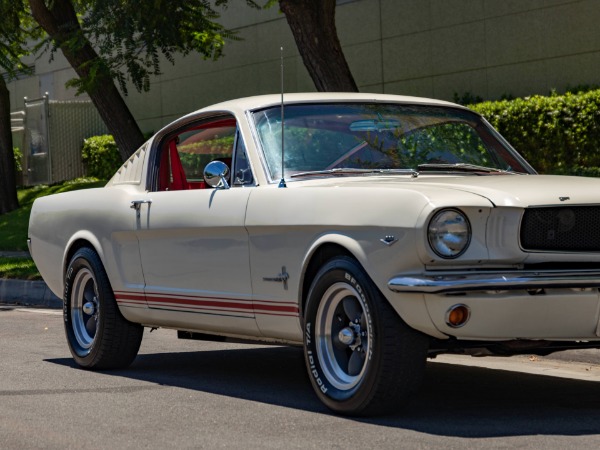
[374, 230]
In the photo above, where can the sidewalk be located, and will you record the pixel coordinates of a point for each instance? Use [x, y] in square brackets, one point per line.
[26, 293]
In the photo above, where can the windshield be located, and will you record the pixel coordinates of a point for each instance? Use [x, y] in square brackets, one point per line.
[380, 138]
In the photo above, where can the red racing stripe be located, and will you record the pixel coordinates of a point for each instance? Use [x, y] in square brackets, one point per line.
[211, 303]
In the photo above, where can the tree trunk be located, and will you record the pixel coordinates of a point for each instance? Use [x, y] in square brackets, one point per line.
[313, 25]
[8, 185]
[60, 22]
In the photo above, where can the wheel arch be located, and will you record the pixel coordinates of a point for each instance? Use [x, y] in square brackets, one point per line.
[324, 249]
[78, 241]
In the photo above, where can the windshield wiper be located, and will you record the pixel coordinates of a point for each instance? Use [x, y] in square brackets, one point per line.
[351, 171]
[461, 167]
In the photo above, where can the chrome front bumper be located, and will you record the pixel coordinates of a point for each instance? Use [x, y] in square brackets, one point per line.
[448, 282]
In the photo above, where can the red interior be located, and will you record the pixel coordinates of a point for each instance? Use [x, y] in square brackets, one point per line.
[171, 175]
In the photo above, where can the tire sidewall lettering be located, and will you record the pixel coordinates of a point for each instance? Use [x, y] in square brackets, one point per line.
[312, 362]
[67, 292]
[319, 380]
[365, 304]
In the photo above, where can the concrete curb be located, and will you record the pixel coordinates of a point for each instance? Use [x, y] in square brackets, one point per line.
[11, 254]
[28, 293]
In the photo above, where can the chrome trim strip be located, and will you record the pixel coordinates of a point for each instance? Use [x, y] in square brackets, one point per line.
[441, 283]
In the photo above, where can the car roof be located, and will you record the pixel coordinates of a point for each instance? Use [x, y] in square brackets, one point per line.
[263, 101]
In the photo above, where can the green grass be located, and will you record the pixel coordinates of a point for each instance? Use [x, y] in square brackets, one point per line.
[19, 268]
[14, 225]
[13, 229]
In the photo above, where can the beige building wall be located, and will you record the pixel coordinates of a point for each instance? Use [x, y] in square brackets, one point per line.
[489, 48]
[433, 48]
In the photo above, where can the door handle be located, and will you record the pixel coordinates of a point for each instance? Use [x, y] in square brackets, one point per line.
[136, 204]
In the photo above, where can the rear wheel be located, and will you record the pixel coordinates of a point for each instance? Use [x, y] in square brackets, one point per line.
[99, 337]
[361, 357]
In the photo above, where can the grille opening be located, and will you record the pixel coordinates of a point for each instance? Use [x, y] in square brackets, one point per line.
[565, 229]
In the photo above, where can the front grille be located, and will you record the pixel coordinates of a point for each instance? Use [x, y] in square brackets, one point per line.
[566, 229]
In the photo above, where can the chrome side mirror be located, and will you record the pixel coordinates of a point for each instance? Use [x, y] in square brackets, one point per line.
[216, 174]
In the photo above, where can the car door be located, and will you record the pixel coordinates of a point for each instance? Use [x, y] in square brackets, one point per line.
[192, 239]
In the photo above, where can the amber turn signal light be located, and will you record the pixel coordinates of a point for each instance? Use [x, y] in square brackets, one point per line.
[458, 315]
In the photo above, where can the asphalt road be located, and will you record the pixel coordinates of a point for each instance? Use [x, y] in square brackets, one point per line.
[189, 394]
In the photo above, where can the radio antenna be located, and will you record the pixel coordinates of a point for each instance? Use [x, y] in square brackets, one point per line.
[282, 181]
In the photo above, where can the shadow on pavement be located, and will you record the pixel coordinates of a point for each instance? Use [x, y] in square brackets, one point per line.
[454, 401]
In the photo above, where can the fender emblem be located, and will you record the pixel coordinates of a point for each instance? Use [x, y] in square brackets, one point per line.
[283, 277]
[389, 240]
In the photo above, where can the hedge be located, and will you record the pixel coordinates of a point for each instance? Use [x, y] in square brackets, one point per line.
[558, 134]
[18, 158]
[100, 156]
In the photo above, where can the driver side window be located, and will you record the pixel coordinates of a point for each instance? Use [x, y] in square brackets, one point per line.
[185, 154]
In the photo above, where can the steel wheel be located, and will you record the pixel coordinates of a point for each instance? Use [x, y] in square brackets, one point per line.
[98, 335]
[84, 308]
[342, 333]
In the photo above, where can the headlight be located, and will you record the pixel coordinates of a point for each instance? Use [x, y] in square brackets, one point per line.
[449, 233]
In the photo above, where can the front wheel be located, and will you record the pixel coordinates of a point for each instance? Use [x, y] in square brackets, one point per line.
[362, 359]
[99, 337]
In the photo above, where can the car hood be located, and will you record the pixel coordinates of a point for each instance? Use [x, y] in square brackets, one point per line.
[500, 190]
[525, 190]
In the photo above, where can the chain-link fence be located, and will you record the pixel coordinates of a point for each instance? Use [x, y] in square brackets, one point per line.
[53, 135]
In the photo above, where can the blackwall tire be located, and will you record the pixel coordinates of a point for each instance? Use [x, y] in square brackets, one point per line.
[98, 335]
[362, 359]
